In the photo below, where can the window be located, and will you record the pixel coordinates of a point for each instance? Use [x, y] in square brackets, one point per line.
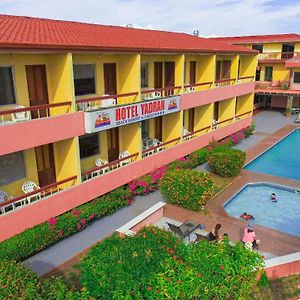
[7, 91]
[287, 51]
[12, 167]
[84, 79]
[258, 47]
[144, 75]
[268, 73]
[89, 145]
[297, 77]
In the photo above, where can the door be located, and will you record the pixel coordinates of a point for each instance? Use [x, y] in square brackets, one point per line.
[268, 73]
[113, 144]
[192, 72]
[257, 74]
[110, 79]
[218, 70]
[216, 111]
[158, 74]
[37, 88]
[191, 119]
[45, 164]
[158, 128]
[226, 65]
[169, 76]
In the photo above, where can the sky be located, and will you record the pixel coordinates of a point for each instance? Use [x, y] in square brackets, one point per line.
[209, 17]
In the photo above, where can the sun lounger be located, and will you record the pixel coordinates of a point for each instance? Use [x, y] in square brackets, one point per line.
[185, 229]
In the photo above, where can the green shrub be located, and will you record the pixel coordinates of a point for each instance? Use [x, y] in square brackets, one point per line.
[207, 271]
[197, 158]
[17, 282]
[249, 130]
[188, 188]
[179, 164]
[226, 162]
[153, 264]
[120, 268]
[46, 234]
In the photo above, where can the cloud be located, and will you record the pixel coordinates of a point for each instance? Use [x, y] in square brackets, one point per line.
[211, 18]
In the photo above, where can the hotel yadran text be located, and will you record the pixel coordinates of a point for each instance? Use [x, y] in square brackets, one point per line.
[100, 120]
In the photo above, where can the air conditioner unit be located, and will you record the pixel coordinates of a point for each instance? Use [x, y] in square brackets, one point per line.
[108, 102]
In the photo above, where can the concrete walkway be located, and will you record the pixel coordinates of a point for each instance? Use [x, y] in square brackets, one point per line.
[50, 258]
[267, 122]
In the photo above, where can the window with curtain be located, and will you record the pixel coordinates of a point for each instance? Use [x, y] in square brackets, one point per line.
[84, 79]
[7, 91]
[12, 167]
[268, 73]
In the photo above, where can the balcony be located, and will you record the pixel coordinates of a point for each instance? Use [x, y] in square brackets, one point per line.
[276, 56]
[27, 127]
[36, 195]
[276, 88]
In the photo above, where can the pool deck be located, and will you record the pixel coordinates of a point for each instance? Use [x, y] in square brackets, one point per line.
[272, 241]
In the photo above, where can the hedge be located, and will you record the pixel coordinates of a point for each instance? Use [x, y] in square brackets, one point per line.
[17, 282]
[226, 162]
[48, 233]
[188, 188]
[154, 264]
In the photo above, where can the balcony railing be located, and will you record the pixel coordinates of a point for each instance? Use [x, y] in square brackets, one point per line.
[160, 92]
[94, 172]
[276, 55]
[36, 195]
[224, 82]
[21, 114]
[158, 148]
[193, 134]
[102, 101]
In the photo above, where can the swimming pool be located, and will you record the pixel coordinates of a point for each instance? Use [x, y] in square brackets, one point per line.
[255, 199]
[281, 160]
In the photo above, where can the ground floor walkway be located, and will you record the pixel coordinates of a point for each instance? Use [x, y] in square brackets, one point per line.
[267, 122]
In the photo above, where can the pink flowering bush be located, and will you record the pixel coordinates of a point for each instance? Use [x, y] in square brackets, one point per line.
[147, 183]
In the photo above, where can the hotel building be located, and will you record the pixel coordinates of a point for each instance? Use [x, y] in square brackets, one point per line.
[86, 108]
[278, 71]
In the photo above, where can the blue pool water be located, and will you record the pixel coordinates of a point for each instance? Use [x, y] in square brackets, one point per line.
[255, 199]
[281, 160]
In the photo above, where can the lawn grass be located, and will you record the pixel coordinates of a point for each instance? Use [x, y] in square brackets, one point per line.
[280, 289]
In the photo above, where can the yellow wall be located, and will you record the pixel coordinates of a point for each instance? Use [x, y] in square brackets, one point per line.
[172, 126]
[272, 47]
[131, 138]
[204, 116]
[67, 160]
[280, 72]
[226, 110]
[248, 65]
[244, 103]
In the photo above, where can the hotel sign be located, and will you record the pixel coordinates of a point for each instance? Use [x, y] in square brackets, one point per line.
[99, 120]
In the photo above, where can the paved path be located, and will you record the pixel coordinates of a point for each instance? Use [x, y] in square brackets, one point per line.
[48, 259]
[266, 122]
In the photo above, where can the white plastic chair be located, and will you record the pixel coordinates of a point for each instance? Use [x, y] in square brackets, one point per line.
[28, 187]
[99, 162]
[126, 161]
[20, 116]
[188, 89]
[156, 142]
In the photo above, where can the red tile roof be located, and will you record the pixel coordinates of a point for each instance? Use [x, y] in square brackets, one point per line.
[273, 38]
[35, 33]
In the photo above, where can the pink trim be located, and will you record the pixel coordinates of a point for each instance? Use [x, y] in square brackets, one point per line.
[195, 99]
[283, 270]
[33, 133]
[38, 212]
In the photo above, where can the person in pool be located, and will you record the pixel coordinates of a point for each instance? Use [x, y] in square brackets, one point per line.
[273, 197]
[246, 216]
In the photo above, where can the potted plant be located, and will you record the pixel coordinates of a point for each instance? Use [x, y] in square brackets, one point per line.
[288, 112]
